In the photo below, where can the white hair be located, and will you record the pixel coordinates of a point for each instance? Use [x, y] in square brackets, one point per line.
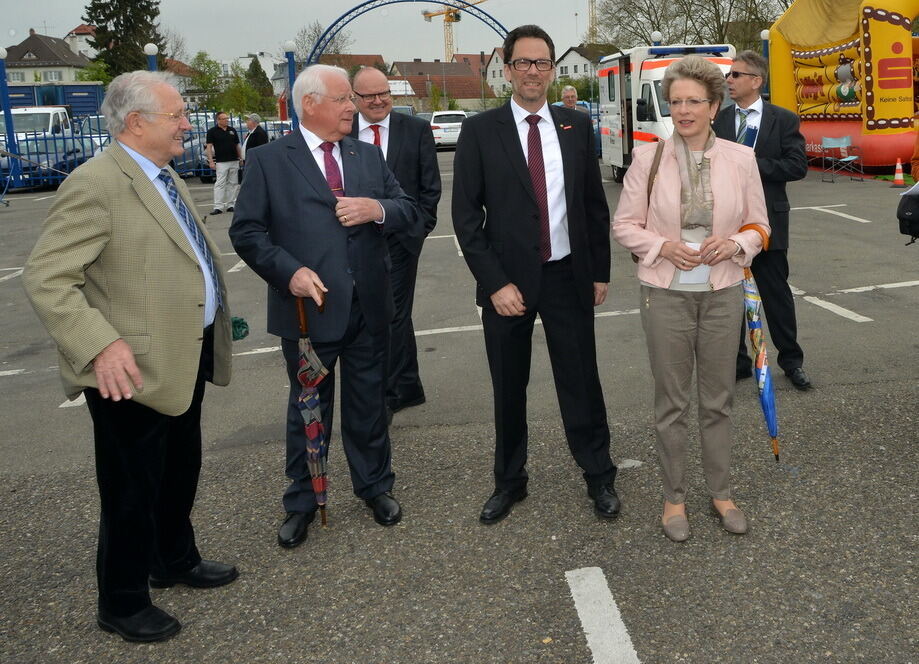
[132, 91]
[310, 82]
[569, 88]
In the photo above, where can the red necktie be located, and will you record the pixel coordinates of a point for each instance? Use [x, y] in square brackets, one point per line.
[376, 134]
[538, 178]
[332, 172]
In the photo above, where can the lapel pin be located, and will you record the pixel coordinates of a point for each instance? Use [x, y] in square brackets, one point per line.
[565, 127]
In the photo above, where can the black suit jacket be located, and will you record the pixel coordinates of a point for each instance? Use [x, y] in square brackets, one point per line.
[412, 157]
[285, 219]
[780, 156]
[257, 137]
[495, 214]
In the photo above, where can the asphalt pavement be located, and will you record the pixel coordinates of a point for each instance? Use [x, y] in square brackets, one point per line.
[827, 572]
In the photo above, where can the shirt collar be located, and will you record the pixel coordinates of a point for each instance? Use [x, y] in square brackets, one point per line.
[312, 140]
[150, 169]
[756, 107]
[521, 114]
[362, 124]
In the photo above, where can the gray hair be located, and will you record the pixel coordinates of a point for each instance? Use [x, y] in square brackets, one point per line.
[132, 91]
[309, 82]
[255, 117]
[569, 88]
[696, 68]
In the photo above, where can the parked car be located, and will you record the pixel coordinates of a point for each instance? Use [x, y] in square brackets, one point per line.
[424, 116]
[446, 126]
[408, 110]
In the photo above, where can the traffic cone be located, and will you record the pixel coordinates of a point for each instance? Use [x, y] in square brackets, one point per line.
[898, 181]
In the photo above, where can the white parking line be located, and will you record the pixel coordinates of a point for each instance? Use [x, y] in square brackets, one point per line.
[12, 372]
[865, 289]
[459, 252]
[607, 636]
[236, 268]
[11, 275]
[44, 198]
[825, 208]
[836, 309]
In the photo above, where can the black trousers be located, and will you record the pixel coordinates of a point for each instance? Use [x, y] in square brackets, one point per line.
[770, 269]
[403, 382]
[569, 330]
[147, 467]
[364, 432]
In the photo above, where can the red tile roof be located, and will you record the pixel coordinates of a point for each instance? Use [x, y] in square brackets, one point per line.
[178, 68]
[83, 29]
[457, 87]
[349, 60]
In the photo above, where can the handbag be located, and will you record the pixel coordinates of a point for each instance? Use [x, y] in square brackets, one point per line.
[652, 176]
[908, 216]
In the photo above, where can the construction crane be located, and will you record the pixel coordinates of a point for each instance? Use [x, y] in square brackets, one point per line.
[592, 22]
[451, 15]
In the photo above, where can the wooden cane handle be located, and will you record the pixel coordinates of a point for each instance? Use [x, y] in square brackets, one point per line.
[756, 227]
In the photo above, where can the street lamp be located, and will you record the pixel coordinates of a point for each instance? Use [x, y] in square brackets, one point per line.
[764, 36]
[151, 50]
[15, 169]
[656, 38]
[289, 47]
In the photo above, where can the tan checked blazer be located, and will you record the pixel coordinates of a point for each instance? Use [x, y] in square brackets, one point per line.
[112, 261]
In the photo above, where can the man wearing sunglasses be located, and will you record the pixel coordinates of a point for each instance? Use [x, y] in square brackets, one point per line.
[774, 134]
[408, 146]
[531, 217]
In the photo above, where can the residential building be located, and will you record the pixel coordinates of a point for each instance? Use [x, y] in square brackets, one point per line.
[494, 73]
[78, 40]
[581, 61]
[44, 59]
[477, 61]
[468, 92]
[437, 68]
[351, 61]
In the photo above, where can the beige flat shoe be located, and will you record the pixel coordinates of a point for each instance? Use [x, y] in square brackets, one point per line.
[732, 521]
[676, 528]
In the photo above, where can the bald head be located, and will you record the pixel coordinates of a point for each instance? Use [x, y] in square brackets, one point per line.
[371, 90]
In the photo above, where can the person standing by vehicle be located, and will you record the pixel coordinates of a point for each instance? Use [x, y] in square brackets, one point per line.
[774, 134]
[128, 283]
[408, 145]
[570, 99]
[691, 253]
[224, 155]
[531, 218]
[256, 136]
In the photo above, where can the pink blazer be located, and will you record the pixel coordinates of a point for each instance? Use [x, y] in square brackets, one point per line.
[738, 200]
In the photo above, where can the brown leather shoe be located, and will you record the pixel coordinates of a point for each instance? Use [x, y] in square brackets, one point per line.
[676, 528]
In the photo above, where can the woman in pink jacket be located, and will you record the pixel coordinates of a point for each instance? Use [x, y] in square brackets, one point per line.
[691, 252]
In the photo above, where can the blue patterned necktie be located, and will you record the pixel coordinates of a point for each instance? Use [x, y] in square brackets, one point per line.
[742, 127]
[189, 221]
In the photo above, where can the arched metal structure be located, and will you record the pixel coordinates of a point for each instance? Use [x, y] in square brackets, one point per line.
[370, 5]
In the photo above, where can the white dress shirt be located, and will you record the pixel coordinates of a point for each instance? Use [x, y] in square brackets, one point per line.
[152, 171]
[365, 133]
[555, 174]
[753, 118]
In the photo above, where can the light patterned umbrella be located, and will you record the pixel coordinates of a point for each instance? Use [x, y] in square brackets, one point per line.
[310, 373]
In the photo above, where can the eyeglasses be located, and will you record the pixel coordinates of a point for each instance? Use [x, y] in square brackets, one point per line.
[523, 64]
[342, 99]
[172, 116]
[382, 96]
[738, 74]
[689, 103]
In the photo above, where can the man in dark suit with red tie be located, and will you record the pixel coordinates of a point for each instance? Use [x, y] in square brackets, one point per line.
[310, 221]
[408, 145]
[531, 218]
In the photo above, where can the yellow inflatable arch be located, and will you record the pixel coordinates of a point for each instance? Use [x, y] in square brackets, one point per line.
[847, 68]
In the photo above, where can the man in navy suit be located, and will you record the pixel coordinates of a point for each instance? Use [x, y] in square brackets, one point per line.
[774, 134]
[408, 145]
[310, 221]
[532, 220]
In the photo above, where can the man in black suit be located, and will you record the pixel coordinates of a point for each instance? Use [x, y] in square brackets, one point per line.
[531, 218]
[310, 221]
[257, 135]
[773, 132]
[408, 145]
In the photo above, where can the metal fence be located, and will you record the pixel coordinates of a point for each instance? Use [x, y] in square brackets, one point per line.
[46, 158]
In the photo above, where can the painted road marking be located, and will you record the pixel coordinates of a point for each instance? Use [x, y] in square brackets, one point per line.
[836, 309]
[236, 268]
[459, 252]
[865, 289]
[827, 210]
[12, 275]
[607, 636]
[13, 372]
[44, 198]
[79, 401]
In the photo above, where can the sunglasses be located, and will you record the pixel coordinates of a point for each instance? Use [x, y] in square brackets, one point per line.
[738, 74]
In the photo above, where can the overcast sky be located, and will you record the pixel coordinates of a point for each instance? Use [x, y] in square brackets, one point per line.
[230, 28]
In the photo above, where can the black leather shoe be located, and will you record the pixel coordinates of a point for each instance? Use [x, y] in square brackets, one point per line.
[500, 504]
[799, 378]
[606, 502]
[403, 401]
[743, 372]
[145, 626]
[230, 209]
[216, 211]
[386, 509]
[206, 574]
[293, 530]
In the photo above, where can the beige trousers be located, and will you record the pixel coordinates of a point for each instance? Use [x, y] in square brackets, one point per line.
[686, 329]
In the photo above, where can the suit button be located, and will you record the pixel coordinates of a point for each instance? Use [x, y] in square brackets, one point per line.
[350, 271]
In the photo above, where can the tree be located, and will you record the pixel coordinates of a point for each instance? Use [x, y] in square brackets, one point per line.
[123, 27]
[174, 44]
[96, 71]
[258, 81]
[307, 37]
[239, 96]
[206, 79]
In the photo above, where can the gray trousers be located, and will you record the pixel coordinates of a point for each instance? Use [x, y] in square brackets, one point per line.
[685, 329]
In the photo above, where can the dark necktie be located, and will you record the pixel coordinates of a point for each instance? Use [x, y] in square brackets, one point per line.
[332, 172]
[194, 231]
[742, 127]
[376, 134]
[538, 178]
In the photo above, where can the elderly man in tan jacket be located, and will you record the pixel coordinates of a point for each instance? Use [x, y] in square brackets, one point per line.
[128, 284]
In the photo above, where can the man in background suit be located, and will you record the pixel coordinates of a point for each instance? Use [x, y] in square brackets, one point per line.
[531, 218]
[257, 135]
[310, 220]
[129, 285]
[408, 145]
[773, 133]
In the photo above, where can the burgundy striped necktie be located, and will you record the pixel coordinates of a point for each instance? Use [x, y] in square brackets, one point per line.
[538, 178]
[332, 172]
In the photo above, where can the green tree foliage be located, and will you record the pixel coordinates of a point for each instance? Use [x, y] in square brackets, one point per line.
[239, 96]
[258, 81]
[96, 71]
[206, 79]
[123, 27]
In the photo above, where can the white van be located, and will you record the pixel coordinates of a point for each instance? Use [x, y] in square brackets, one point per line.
[632, 107]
